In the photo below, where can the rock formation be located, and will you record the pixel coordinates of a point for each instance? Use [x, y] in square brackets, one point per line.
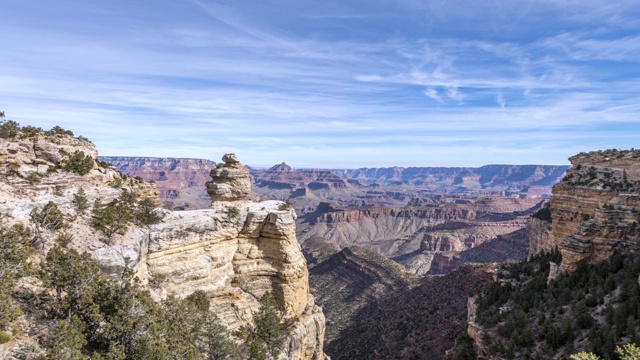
[235, 251]
[230, 181]
[594, 210]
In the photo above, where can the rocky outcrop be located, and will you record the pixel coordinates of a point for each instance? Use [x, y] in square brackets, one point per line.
[23, 156]
[230, 181]
[594, 210]
[235, 251]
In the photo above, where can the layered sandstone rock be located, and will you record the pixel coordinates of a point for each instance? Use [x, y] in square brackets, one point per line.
[236, 251]
[539, 231]
[230, 181]
[39, 154]
[594, 209]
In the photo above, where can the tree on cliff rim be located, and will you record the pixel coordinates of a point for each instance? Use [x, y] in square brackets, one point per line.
[264, 338]
[14, 248]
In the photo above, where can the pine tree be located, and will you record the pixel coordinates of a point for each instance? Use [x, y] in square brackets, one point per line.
[146, 212]
[14, 249]
[80, 201]
[67, 341]
[263, 339]
[214, 341]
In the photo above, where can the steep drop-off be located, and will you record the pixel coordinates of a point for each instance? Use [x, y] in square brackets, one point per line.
[594, 210]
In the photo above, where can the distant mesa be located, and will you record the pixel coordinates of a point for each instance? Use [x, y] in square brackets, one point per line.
[281, 167]
[229, 182]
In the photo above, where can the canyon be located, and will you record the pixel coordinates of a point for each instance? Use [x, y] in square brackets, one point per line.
[370, 236]
[421, 217]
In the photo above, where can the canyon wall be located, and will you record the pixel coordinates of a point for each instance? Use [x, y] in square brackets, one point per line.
[418, 235]
[594, 210]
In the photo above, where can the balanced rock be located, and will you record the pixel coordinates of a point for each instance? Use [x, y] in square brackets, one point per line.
[230, 181]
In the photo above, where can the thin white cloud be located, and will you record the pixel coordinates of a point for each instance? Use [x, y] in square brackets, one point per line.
[433, 94]
[500, 100]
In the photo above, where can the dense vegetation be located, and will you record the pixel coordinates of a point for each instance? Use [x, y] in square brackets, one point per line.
[594, 309]
[92, 316]
[116, 216]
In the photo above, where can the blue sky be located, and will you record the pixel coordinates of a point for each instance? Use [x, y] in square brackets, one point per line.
[329, 83]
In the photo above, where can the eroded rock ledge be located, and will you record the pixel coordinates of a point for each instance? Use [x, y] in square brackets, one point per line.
[236, 251]
[595, 208]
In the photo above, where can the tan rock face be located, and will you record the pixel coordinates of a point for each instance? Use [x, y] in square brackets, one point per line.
[595, 208]
[236, 257]
[540, 236]
[230, 181]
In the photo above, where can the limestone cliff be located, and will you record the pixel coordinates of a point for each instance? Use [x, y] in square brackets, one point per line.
[594, 210]
[539, 231]
[235, 251]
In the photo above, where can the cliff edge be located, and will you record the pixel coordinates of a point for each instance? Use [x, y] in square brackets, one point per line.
[594, 210]
[235, 251]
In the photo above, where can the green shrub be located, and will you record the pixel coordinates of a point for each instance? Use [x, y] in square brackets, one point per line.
[30, 131]
[78, 163]
[50, 217]
[199, 299]
[57, 130]
[103, 164]
[4, 337]
[9, 129]
[285, 206]
[233, 212]
[33, 178]
[64, 239]
[80, 201]
[116, 183]
[115, 217]
[14, 250]
[146, 212]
